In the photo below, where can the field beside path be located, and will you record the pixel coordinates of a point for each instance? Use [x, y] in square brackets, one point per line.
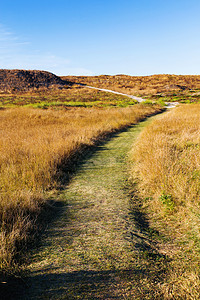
[38, 151]
[166, 174]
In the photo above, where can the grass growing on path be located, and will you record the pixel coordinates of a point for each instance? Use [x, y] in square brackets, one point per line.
[37, 148]
[96, 249]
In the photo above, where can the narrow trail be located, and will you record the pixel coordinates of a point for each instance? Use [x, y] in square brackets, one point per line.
[139, 99]
[99, 247]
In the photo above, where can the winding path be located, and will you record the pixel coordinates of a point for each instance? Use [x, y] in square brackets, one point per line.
[99, 247]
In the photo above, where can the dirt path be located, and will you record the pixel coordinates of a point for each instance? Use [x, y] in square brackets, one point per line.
[139, 99]
[99, 247]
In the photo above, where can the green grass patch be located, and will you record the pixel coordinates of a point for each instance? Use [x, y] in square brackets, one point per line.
[167, 201]
[66, 98]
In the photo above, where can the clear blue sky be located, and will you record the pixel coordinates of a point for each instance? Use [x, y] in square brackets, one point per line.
[88, 37]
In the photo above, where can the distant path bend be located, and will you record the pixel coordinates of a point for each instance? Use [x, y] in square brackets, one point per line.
[138, 99]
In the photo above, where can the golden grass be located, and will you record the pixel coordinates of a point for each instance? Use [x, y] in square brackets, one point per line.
[167, 165]
[33, 144]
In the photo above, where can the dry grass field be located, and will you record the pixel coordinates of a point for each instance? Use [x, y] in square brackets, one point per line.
[181, 88]
[34, 143]
[166, 168]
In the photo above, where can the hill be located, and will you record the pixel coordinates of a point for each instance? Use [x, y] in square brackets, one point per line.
[166, 87]
[23, 80]
[182, 88]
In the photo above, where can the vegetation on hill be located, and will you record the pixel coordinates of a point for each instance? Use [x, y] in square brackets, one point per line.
[24, 80]
[19, 87]
[37, 150]
[40, 89]
[166, 165]
[181, 88]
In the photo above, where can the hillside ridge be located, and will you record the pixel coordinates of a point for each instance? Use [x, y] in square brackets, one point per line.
[18, 80]
[141, 85]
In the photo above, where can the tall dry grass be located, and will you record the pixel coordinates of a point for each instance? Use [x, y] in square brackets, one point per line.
[33, 144]
[167, 166]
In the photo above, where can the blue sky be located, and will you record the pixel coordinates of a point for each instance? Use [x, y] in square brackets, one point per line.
[87, 37]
